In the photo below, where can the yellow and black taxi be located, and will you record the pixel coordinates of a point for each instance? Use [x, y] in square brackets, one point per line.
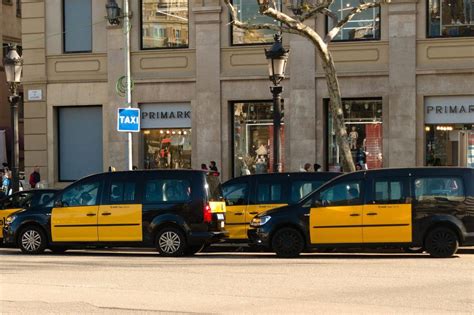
[431, 208]
[22, 200]
[250, 195]
[176, 211]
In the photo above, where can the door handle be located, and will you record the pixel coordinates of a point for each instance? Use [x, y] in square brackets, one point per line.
[91, 214]
[372, 213]
[106, 213]
[253, 212]
[306, 214]
[355, 215]
[238, 213]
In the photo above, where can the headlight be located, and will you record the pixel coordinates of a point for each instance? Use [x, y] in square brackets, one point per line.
[10, 219]
[259, 221]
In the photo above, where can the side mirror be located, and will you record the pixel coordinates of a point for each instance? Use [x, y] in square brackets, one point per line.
[58, 204]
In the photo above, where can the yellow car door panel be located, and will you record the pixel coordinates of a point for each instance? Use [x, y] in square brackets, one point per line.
[235, 222]
[387, 223]
[74, 224]
[336, 224]
[253, 210]
[120, 222]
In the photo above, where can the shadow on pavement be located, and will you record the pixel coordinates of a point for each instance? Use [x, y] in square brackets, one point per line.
[145, 253]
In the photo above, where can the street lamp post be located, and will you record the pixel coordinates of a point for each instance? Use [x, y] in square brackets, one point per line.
[277, 58]
[13, 64]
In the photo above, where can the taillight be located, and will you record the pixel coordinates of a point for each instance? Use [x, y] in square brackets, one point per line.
[207, 214]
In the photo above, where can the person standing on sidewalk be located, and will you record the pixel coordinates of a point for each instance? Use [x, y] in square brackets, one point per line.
[35, 177]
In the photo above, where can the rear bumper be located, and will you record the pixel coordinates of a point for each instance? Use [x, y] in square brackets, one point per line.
[200, 238]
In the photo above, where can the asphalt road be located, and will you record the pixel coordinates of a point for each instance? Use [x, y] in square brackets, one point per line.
[125, 282]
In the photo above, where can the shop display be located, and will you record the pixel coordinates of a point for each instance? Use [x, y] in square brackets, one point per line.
[450, 18]
[167, 148]
[445, 145]
[363, 122]
[253, 138]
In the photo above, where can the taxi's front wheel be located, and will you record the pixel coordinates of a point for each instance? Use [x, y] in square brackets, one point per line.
[32, 240]
[287, 243]
[170, 242]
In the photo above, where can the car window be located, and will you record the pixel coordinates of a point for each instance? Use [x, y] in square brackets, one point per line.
[236, 194]
[389, 191]
[301, 188]
[23, 200]
[344, 193]
[45, 198]
[167, 190]
[81, 195]
[122, 191]
[439, 188]
[269, 192]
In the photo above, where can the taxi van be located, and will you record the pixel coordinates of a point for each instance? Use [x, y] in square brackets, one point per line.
[431, 208]
[176, 211]
[22, 200]
[250, 195]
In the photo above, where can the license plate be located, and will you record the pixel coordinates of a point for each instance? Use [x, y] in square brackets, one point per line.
[220, 216]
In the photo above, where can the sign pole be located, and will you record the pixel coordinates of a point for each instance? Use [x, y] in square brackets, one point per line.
[129, 79]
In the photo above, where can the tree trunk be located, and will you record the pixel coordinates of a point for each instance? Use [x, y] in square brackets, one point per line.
[335, 105]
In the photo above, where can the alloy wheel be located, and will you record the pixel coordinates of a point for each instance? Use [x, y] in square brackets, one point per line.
[169, 242]
[32, 241]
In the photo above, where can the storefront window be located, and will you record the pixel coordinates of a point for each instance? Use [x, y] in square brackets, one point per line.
[450, 145]
[248, 11]
[363, 121]
[253, 138]
[164, 24]
[363, 26]
[450, 18]
[167, 148]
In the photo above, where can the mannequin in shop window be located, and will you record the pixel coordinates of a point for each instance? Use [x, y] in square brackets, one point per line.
[353, 136]
[261, 165]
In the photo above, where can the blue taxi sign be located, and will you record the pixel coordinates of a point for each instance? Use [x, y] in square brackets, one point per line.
[128, 120]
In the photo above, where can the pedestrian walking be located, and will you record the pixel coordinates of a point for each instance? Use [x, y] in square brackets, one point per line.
[204, 167]
[306, 168]
[6, 182]
[317, 167]
[35, 177]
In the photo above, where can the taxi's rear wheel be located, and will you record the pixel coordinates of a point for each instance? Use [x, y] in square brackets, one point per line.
[170, 242]
[32, 240]
[287, 243]
[441, 242]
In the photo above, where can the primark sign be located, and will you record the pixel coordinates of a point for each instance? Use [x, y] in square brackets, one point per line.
[449, 110]
[156, 116]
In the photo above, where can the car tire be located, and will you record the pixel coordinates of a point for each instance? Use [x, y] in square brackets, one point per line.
[32, 240]
[193, 249]
[287, 243]
[441, 242]
[170, 242]
[58, 249]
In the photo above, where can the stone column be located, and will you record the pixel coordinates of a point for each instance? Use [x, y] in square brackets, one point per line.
[300, 111]
[402, 80]
[116, 154]
[206, 109]
[34, 78]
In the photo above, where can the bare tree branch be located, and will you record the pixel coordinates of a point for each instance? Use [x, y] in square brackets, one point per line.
[315, 10]
[331, 15]
[261, 26]
[362, 7]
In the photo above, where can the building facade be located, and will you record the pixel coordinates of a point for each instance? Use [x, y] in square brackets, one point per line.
[10, 33]
[406, 72]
